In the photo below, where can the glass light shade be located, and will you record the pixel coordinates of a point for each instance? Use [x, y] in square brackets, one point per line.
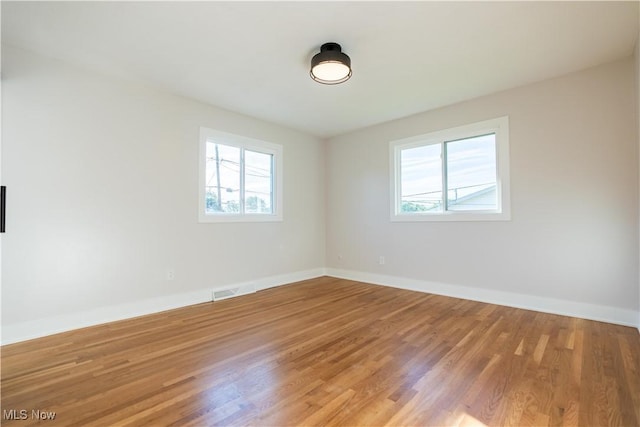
[331, 71]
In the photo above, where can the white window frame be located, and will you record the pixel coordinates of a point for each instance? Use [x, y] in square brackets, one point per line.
[499, 126]
[244, 143]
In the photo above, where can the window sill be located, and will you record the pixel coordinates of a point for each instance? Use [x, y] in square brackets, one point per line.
[452, 216]
[222, 218]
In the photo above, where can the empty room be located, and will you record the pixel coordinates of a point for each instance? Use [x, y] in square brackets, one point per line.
[320, 213]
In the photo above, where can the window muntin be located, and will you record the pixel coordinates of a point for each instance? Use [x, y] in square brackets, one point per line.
[454, 174]
[240, 178]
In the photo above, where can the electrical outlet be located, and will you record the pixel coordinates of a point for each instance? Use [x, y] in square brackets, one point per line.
[381, 260]
[171, 274]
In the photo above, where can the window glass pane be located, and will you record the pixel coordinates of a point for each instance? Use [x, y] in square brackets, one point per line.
[471, 174]
[222, 175]
[421, 179]
[258, 182]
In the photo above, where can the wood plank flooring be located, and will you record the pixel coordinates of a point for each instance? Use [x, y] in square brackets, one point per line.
[329, 352]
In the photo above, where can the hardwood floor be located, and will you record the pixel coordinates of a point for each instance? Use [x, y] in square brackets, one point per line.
[330, 352]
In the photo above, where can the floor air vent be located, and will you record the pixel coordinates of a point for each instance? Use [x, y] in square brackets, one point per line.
[233, 292]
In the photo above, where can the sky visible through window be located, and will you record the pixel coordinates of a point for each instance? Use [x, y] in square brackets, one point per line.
[223, 183]
[471, 175]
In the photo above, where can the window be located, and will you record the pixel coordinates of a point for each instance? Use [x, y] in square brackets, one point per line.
[459, 174]
[240, 178]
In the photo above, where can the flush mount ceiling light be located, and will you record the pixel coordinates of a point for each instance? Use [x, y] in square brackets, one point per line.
[330, 66]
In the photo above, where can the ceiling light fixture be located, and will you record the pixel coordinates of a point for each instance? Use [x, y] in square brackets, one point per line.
[330, 66]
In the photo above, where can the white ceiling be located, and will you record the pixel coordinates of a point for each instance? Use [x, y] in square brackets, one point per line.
[253, 58]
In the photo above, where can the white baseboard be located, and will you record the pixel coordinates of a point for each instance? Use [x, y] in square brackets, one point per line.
[16, 332]
[602, 313]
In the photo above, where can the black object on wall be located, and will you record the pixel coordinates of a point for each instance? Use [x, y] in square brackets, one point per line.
[3, 207]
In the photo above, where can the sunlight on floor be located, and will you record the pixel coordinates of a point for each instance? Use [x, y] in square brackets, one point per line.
[466, 420]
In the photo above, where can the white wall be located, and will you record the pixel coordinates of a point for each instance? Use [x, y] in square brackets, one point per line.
[103, 179]
[572, 243]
